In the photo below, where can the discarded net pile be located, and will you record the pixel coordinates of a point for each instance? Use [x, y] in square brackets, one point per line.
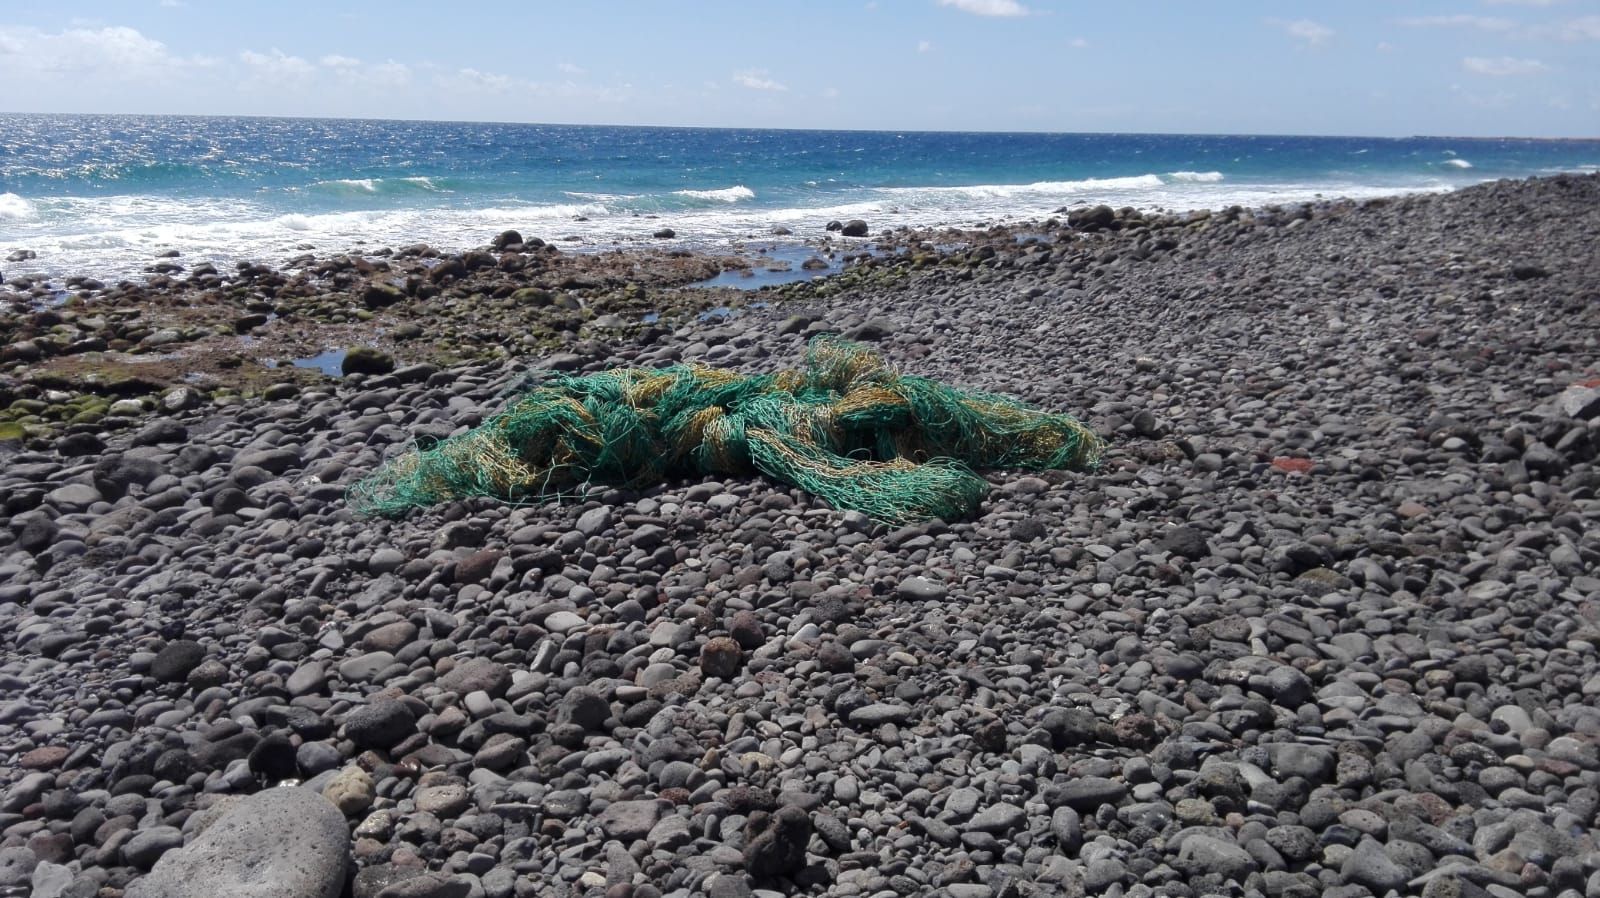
[845, 427]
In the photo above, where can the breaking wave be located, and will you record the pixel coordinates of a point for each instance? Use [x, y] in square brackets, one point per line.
[15, 208]
[726, 195]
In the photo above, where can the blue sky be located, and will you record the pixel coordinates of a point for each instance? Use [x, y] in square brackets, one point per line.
[1468, 67]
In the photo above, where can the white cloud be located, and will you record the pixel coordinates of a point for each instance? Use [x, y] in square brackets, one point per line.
[277, 66]
[387, 74]
[1078, 43]
[756, 79]
[335, 61]
[1385, 47]
[1583, 28]
[924, 46]
[171, 4]
[1502, 66]
[1482, 23]
[995, 8]
[830, 93]
[571, 69]
[474, 79]
[1313, 33]
[89, 49]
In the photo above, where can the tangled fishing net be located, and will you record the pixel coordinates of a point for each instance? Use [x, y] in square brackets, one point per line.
[845, 427]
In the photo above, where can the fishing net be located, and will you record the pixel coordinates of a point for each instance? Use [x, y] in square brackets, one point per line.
[845, 426]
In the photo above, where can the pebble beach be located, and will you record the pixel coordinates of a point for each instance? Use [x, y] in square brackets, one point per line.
[1325, 622]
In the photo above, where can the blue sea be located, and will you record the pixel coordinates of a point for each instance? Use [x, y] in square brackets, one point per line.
[104, 195]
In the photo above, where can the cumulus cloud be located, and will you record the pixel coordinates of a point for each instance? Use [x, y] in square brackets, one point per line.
[335, 61]
[996, 8]
[1313, 33]
[124, 50]
[1502, 66]
[572, 69]
[924, 46]
[757, 79]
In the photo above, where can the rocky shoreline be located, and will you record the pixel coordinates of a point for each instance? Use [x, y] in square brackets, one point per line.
[1326, 621]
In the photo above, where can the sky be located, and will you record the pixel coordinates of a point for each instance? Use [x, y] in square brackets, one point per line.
[1447, 67]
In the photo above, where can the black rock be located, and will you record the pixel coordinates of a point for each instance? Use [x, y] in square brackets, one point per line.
[1071, 726]
[381, 725]
[273, 758]
[775, 844]
[176, 659]
[1187, 542]
[78, 444]
[855, 227]
[1091, 219]
[159, 433]
[377, 296]
[583, 707]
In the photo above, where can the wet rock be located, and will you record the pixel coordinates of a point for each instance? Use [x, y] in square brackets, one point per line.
[366, 360]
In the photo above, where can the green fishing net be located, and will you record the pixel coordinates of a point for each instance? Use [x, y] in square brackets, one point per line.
[845, 426]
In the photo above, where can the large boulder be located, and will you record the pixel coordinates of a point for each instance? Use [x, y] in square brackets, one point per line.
[281, 843]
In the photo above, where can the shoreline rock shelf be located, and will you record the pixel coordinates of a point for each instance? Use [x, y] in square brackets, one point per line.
[1325, 621]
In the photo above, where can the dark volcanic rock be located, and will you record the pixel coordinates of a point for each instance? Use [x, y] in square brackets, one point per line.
[381, 725]
[775, 843]
[176, 659]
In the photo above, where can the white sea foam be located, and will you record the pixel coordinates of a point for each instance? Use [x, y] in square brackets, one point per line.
[111, 237]
[424, 183]
[15, 208]
[726, 195]
[538, 212]
[921, 195]
[1458, 163]
[1196, 177]
[367, 185]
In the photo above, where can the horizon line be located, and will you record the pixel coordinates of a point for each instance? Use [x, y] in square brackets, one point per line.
[350, 118]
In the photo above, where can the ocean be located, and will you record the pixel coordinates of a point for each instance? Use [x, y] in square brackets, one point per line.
[104, 195]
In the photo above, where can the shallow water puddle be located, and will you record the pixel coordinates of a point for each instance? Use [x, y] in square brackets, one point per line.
[329, 362]
[758, 276]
